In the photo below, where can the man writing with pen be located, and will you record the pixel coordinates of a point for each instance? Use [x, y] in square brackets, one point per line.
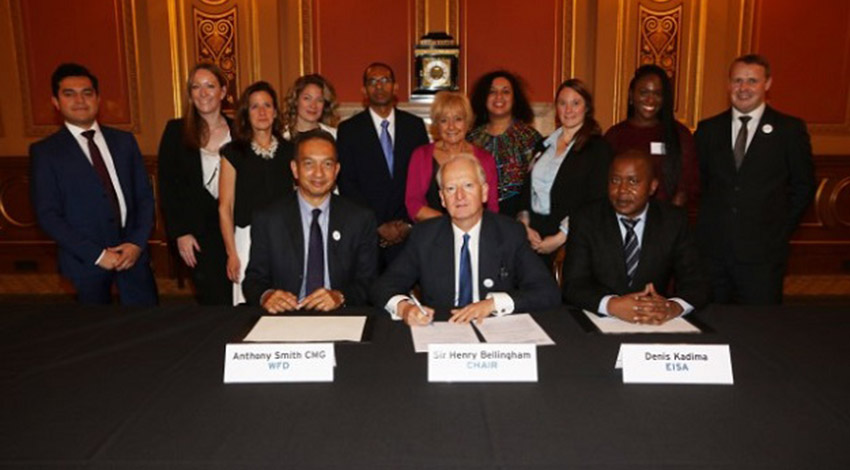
[470, 263]
[312, 250]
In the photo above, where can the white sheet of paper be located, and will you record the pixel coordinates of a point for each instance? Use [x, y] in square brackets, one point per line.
[442, 332]
[518, 328]
[613, 325]
[306, 329]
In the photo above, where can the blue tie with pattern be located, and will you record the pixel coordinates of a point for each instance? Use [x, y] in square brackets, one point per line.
[631, 248]
[387, 145]
[464, 295]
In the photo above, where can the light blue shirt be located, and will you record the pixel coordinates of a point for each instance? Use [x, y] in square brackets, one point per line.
[544, 172]
[306, 221]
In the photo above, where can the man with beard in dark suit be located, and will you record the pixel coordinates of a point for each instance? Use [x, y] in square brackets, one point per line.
[374, 151]
[757, 180]
[313, 250]
[622, 253]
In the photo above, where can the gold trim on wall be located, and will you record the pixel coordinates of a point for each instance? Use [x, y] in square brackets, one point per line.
[177, 66]
[128, 23]
[618, 59]
[306, 29]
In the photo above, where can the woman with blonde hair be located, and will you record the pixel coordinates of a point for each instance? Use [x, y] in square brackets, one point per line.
[310, 103]
[451, 116]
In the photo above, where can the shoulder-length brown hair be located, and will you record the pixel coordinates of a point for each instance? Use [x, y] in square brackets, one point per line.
[243, 132]
[290, 103]
[196, 132]
[590, 126]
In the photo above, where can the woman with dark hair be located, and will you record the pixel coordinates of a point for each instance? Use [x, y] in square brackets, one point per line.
[503, 119]
[189, 166]
[569, 170]
[309, 104]
[651, 127]
[254, 172]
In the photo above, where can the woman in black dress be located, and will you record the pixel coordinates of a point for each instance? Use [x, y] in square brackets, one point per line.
[189, 168]
[254, 172]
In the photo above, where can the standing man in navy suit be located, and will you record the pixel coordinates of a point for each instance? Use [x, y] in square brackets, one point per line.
[757, 180]
[313, 250]
[91, 194]
[374, 152]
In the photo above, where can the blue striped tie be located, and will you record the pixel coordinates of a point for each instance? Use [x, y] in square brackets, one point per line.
[464, 296]
[387, 145]
[631, 248]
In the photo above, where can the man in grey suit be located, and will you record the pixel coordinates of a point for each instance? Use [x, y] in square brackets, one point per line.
[757, 180]
[312, 250]
[471, 262]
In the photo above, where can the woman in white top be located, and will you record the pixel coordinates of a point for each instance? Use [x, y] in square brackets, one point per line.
[189, 167]
[309, 104]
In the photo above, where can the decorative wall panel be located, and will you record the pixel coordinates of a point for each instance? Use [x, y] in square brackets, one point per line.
[660, 40]
[99, 34]
[215, 36]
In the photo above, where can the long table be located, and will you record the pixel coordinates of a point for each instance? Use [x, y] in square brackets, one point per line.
[86, 387]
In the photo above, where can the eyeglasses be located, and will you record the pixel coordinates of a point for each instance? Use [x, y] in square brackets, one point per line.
[373, 82]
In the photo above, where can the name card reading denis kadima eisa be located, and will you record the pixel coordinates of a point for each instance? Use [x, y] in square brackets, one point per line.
[677, 364]
[279, 362]
[482, 363]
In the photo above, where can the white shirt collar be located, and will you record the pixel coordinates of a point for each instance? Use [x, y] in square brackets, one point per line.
[641, 216]
[473, 232]
[376, 120]
[754, 114]
[77, 131]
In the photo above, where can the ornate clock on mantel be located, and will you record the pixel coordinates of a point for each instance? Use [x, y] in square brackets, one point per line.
[436, 68]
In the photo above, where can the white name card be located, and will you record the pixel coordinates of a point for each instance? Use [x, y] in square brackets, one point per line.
[677, 364]
[482, 363]
[278, 362]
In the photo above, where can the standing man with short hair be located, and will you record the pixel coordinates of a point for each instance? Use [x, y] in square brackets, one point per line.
[91, 194]
[374, 152]
[757, 179]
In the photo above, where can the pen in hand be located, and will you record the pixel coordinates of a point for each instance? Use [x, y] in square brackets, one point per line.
[418, 305]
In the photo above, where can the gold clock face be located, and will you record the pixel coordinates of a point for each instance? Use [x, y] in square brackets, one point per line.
[435, 72]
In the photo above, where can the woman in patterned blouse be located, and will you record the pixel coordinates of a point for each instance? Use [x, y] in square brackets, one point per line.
[503, 119]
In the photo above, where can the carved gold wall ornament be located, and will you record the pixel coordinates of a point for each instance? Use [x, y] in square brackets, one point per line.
[215, 36]
[660, 40]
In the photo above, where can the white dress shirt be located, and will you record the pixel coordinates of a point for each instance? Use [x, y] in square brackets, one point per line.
[377, 120]
[503, 303]
[306, 211]
[639, 226]
[752, 125]
[77, 132]
[211, 167]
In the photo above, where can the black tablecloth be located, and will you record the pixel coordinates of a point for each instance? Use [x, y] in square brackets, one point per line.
[86, 387]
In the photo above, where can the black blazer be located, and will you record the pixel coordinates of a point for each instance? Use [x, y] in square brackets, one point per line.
[277, 250]
[364, 176]
[505, 258]
[187, 207]
[751, 212]
[582, 179]
[595, 264]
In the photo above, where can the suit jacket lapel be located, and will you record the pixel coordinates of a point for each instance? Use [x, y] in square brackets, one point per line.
[292, 221]
[79, 159]
[648, 247]
[725, 139]
[444, 247]
[335, 225]
[374, 142]
[489, 263]
[612, 237]
[759, 138]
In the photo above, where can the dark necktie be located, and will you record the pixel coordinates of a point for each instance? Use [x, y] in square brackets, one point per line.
[631, 248]
[387, 145]
[464, 295]
[741, 141]
[315, 256]
[102, 173]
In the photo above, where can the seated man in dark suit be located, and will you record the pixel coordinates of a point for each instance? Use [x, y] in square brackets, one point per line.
[471, 261]
[314, 250]
[622, 253]
[91, 194]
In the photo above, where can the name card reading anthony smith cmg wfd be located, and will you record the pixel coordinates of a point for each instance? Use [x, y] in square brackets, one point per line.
[482, 363]
[279, 362]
